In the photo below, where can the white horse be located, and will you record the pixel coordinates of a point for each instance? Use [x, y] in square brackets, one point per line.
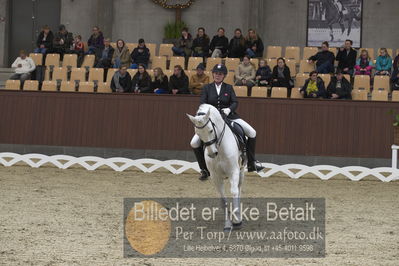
[223, 158]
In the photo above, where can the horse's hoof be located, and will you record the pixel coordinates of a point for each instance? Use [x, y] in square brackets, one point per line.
[237, 225]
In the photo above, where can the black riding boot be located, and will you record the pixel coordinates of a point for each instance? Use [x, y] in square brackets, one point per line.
[253, 165]
[199, 154]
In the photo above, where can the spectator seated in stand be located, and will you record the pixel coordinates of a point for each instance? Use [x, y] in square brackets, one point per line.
[245, 73]
[121, 81]
[313, 87]
[254, 44]
[178, 82]
[141, 82]
[201, 44]
[324, 60]
[44, 41]
[219, 44]
[159, 84]
[281, 76]
[24, 66]
[383, 65]
[346, 58]
[263, 74]
[105, 56]
[140, 55]
[198, 80]
[121, 56]
[364, 64]
[96, 41]
[183, 45]
[237, 45]
[62, 42]
[339, 87]
[78, 48]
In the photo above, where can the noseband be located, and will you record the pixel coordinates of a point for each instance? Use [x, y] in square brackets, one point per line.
[216, 139]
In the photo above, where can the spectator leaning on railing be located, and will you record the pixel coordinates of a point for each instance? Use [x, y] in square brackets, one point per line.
[24, 66]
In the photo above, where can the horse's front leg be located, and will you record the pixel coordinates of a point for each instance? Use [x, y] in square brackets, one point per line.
[219, 184]
[235, 186]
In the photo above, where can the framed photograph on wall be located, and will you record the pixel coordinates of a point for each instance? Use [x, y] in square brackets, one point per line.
[334, 21]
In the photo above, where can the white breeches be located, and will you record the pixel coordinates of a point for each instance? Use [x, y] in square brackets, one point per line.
[249, 131]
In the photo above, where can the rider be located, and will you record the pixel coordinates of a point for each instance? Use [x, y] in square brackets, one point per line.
[223, 97]
[340, 7]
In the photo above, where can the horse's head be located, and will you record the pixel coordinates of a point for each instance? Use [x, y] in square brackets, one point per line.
[206, 130]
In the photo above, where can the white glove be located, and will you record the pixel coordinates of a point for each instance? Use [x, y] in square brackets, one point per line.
[226, 111]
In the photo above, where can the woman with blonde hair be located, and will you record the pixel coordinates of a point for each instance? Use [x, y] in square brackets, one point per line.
[254, 44]
[159, 83]
[364, 64]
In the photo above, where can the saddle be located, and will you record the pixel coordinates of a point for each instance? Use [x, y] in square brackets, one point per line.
[239, 134]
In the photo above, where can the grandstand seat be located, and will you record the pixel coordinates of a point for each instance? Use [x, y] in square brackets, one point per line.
[68, 86]
[300, 79]
[309, 51]
[158, 61]
[86, 86]
[279, 92]
[104, 87]
[230, 63]
[78, 74]
[13, 85]
[347, 77]
[326, 78]
[260, 92]
[306, 66]
[49, 85]
[165, 49]
[255, 62]
[241, 91]
[113, 44]
[85, 47]
[193, 62]
[379, 95]
[189, 73]
[168, 72]
[31, 85]
[131, 46]
[133, 72]
[58, 73]
[293, 52]
[273, 52]
[176, 60]
[359, 95]
[211, 62]
[395, 96]
[153, 48]
[390, 52]
[53, 60]
[291, 64]
[70, 60]
[296, 94]
[271, 63]
[89, 60]
[229, 79]
[96, 74]
[381, 82]
[37, 58]
[333, 50]
[370, 51]
[209, 74]
[362, 81]
[110, 74]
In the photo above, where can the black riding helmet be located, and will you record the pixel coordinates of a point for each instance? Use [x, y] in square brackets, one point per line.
[220, 68]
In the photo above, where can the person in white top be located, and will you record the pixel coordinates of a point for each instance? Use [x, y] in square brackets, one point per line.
[24, 66]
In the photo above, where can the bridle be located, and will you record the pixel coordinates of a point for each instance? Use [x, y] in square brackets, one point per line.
[216, 140]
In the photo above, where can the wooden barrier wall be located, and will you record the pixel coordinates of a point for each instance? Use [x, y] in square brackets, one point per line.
[284, 126]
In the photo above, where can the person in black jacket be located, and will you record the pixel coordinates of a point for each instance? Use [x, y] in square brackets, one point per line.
[141, 82]
[44, 41]
[254, 44]
[222, 96]
[237, 45]
[140, 55]
[281, 76]
[263, 74]
[121, 81]
[159, 84]
[219, 44]
[178, 82]
[62, 42]
[339, 87]
[314, 87]
[346, 58]
[105, 58]
[325, 60]
[201, 44]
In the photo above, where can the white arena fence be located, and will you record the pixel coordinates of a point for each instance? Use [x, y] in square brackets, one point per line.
[295, 171]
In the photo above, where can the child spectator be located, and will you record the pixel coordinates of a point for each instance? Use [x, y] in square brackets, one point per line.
[263, 74]
[364, 64]
[383, 64]
[79, 49]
